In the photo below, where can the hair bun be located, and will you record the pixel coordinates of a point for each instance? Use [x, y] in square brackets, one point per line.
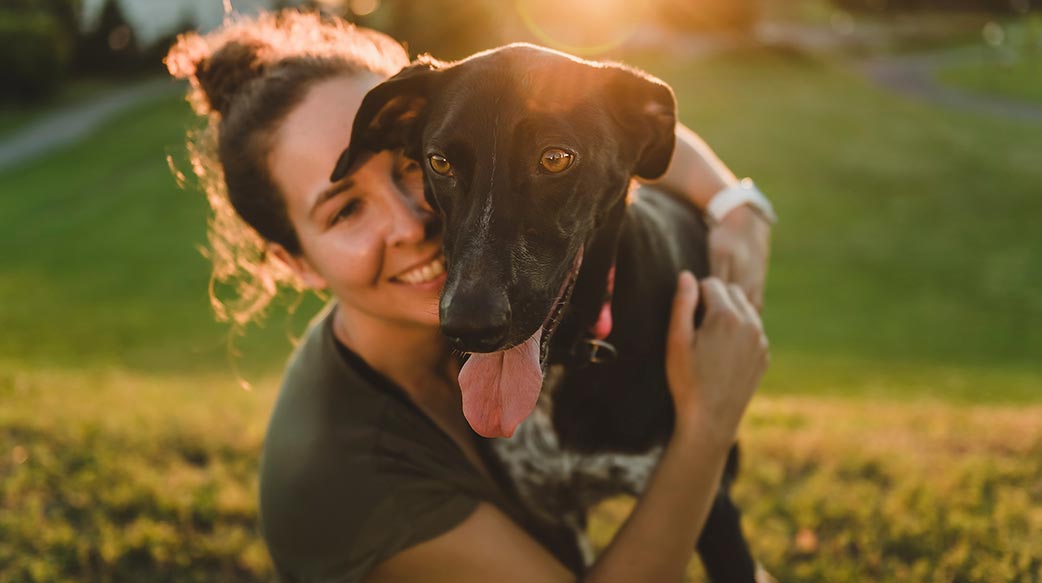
[225, 74]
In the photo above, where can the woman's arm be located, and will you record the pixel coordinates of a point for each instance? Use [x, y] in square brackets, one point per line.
[739, 246]
[712, 374]
[695, 172]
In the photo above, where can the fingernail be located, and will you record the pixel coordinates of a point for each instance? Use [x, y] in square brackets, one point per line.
[687, 281]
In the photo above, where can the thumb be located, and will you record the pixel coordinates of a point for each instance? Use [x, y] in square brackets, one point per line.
[682, 321]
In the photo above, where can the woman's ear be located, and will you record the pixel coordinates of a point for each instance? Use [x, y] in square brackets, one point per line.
[299, 265]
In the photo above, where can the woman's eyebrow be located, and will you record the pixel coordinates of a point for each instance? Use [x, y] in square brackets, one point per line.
[331, 191]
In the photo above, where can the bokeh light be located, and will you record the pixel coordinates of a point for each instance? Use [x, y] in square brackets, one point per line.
[582, 27]
[363, 7]
[993, 34]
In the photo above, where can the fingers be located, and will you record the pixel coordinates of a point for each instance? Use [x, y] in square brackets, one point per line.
[755, 293]
[753, 324]
[747, 275]
[682, 321]
[729, 301]
[738, 253]
[750, 275]
[745, 307]
[720, 263]
[717, 299]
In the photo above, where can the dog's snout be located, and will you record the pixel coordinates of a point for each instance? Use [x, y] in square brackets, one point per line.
[476, 322]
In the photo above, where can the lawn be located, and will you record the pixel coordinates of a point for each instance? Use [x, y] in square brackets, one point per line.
[1010, 67]
[896, 437]
[1013, 76]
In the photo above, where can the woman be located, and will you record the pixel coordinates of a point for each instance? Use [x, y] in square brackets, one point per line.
[370, 471]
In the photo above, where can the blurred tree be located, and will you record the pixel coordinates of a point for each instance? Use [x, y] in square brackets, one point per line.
[448, 29]
[110, 47]
[708, 15]
[36, 41]
[998, 6]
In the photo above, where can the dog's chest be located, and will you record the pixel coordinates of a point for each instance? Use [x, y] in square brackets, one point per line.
[558, 484]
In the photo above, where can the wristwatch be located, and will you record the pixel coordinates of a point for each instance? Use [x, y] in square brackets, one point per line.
[734, 196]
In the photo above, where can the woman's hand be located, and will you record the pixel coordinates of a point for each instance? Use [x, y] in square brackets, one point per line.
[738, 247]
[713, 371]
[738, 251]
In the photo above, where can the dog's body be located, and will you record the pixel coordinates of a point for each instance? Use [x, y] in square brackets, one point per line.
[530, 241]
[599, 428]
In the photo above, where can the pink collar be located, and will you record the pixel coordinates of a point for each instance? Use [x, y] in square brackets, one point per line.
[602, 328]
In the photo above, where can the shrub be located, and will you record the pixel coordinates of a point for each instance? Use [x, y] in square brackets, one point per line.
[738, 15]
[998, 6]
[35, 49]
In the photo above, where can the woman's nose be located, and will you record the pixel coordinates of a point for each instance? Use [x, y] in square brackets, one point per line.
[411, 221]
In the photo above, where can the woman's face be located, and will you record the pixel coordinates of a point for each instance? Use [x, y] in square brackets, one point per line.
[370, 239]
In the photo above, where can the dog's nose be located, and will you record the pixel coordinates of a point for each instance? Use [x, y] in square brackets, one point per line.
[476, 324]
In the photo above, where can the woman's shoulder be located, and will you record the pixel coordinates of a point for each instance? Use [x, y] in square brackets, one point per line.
[333, 404]
[350, 471]
[335, 504]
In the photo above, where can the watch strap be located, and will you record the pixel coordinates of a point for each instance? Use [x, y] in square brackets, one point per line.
[742, 193]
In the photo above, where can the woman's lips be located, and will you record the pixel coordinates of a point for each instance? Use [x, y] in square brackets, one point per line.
[424, 273]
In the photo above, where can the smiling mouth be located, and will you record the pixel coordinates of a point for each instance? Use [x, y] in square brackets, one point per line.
[423, 273]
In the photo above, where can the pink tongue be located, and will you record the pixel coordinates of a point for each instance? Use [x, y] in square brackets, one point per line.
[500, 389]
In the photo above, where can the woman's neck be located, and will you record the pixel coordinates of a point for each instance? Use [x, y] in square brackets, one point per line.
[417, 358]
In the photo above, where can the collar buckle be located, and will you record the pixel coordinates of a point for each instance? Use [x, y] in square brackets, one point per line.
[595, 351]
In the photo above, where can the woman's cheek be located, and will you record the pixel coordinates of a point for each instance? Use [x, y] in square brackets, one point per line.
[356, 258]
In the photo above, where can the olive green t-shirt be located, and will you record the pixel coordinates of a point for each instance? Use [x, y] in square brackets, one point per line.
[353, 472]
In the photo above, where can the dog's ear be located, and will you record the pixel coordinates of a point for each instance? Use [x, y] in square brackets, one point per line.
[390, 114]
[647, 111]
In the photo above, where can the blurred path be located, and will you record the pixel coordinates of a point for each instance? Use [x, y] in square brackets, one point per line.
[73, 123]
[911, 75]
[914, 76]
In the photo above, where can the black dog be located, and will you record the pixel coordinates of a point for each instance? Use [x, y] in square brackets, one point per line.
[528, 156]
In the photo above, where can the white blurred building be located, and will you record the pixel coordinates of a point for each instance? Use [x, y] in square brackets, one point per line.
[154, 19]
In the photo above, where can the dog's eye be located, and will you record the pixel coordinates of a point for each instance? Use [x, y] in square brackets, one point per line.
[440, 164]
[556, 160]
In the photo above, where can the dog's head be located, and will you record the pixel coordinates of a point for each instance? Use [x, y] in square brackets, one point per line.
[524, 151]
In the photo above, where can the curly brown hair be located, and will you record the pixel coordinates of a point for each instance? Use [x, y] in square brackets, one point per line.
[244, 79]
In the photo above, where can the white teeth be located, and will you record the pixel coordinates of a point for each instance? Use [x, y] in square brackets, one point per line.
[424, 273]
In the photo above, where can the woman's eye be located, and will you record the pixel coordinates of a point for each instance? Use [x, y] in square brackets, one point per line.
[407, 165]
[555, 160]
[350, 208]
[440, 164]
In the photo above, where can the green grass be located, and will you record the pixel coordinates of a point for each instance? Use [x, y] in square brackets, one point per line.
[908, 235]
[1011, 68]
[839, 490]
[109, 271]
[1014, 77]
[896, 438]
[113, 476]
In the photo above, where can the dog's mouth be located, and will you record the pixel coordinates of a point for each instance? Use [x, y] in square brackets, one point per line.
[500, 389]
[564, 295]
